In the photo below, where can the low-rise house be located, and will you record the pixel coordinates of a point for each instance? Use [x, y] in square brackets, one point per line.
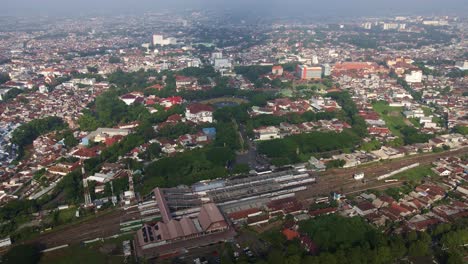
[199, 113]
[364, 208]
[267, 133]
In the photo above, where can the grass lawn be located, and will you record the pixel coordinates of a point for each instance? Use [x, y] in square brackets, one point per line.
[391, 115]
[415, 122]
[286, 92]
[416, 174]
[427, 110]
[79, 254]
[67, 215]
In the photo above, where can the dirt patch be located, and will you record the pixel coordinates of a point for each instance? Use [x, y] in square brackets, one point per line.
[109, 249]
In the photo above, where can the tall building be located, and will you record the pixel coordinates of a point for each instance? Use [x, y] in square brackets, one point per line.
[222, 64]
[367, 25]
[389, 26]
[305, 72]
[315, 59]
[161, 41]
[326, 69]
[216, 55]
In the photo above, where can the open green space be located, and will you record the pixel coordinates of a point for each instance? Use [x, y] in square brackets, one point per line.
[79, 254]
[427, 110]
[416, 174]
[391, 115]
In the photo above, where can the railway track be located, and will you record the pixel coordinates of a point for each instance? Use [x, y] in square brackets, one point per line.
[341, 180]
[334, 180]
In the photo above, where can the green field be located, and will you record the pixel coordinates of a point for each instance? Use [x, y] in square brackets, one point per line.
[67, 215]
[416, 174]
[77, 254]
[109, 251]
[427, 110]
[392, 116]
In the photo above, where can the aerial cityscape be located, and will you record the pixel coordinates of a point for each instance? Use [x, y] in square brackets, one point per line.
[244, 132]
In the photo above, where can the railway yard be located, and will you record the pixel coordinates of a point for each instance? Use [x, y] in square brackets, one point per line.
[337, 180]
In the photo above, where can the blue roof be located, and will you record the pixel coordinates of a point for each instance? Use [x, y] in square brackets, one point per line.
[209, 130]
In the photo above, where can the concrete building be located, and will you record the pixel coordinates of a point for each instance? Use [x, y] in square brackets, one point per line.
[199, 113]
[462, 65]
[222, 63]
[326, 69]
[101, 134]
[216, 55]
[367, 25]
[414, 77]
[390, 26]
[305, 72]
[277, 70]
[267, 133]
[161, 41]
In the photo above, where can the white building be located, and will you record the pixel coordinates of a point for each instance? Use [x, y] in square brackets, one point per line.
[389, 26]
[199, 113]
[5, 242]
[216, 55]
[367, 25]
[462, 65]
[414, 77]
[267, 133]
[161, 41]
[220, 63]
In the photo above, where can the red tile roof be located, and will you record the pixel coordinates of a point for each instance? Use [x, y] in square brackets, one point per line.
[290, 234]
[197, 108]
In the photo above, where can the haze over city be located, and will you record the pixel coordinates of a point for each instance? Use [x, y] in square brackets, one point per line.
[313, 8]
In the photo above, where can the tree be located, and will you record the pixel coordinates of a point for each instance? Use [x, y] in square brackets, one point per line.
[72, 186]
[22, 254]
[418, 249]
[92, 69]
[88, 122]
[339, 163]
[27, 133]
[11, 94]
[295, 259]
[152, 151]
[275, 257]
[69, 140]
[461, 129]
[453, 240]
[114, 59]
[4, 77]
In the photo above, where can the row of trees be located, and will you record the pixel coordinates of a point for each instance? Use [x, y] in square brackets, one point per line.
[351, 240]
[341, 240]
[349, 107]
[109, 111]
[296, 148]
[210, 162]
[293, 118]
[299, 147]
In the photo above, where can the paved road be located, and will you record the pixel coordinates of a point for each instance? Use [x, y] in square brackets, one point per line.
[250, 157]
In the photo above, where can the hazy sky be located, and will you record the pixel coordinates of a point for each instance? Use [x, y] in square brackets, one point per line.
[266, 7]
